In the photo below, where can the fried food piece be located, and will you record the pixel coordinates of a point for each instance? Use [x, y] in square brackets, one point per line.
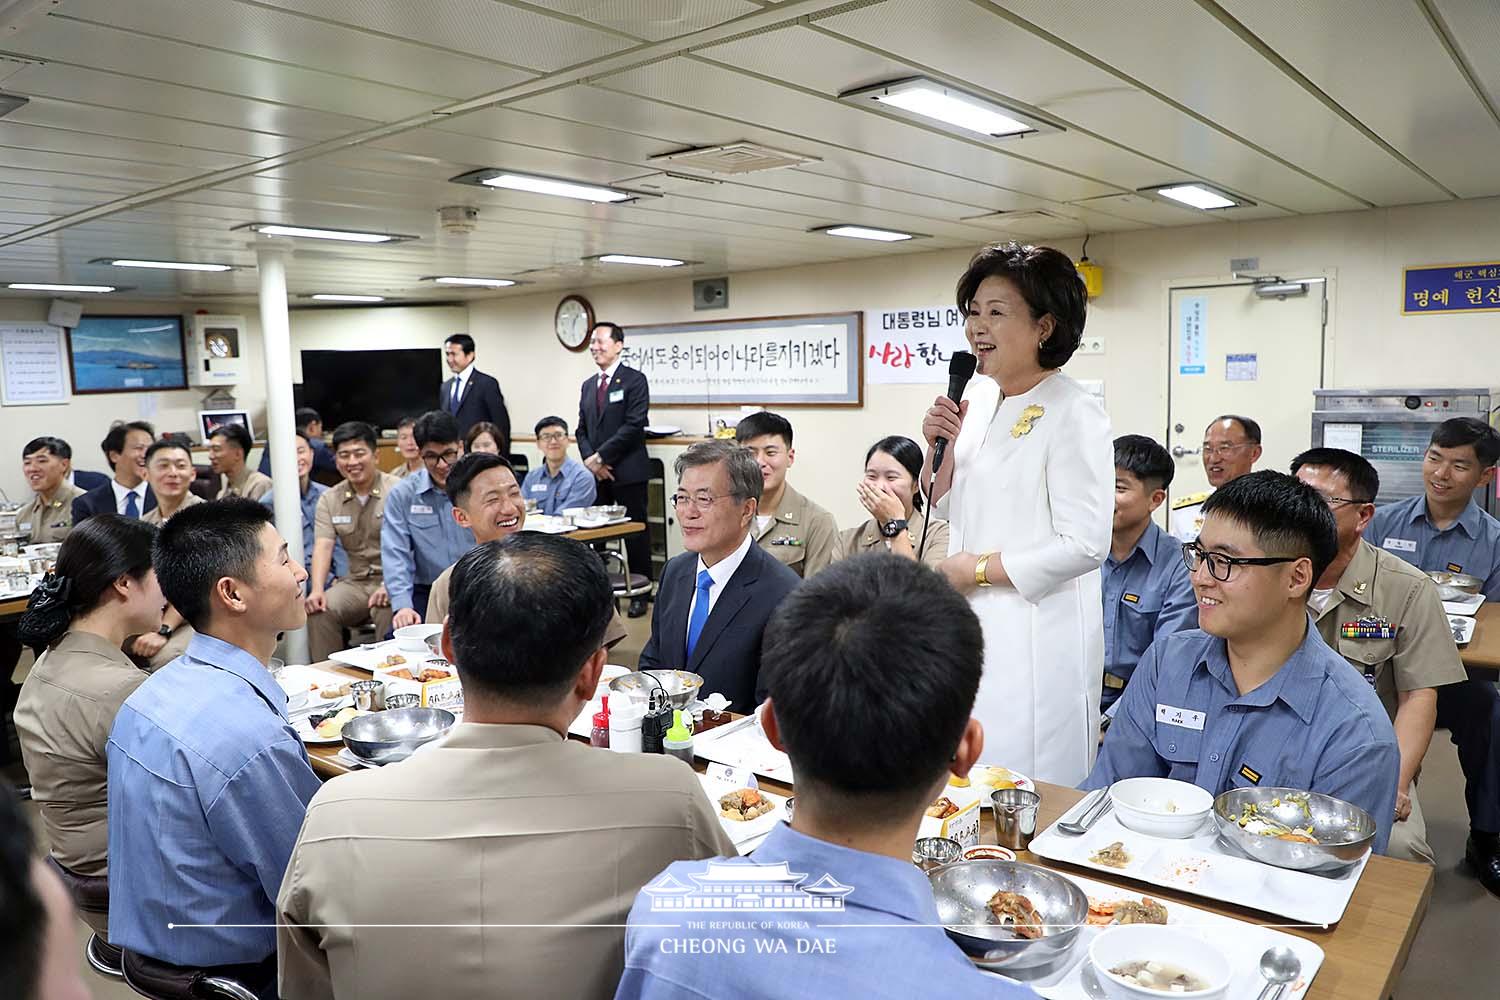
[1147, 911]
[433, 674]
[1113, 856]
[394, 660]
[1015, 912]
[402, 673]
[942, 808]
[1297, 837]
[744, 805]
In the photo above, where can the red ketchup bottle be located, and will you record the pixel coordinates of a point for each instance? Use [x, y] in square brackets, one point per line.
[599, 735]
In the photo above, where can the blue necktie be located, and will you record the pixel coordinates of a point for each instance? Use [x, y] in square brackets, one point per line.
[132, 509]
[453, 396]
[700, 611]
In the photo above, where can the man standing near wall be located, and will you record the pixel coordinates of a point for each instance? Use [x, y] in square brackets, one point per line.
[1231, 446]
[471, 395]
[612, 440]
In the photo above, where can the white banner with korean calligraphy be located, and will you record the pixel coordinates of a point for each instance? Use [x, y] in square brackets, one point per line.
[796, 359]
[912, 345]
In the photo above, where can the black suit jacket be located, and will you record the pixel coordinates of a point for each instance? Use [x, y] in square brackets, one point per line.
[102, 501]
[481, 401]
[728, 651]
[86, 480]
[619, 433]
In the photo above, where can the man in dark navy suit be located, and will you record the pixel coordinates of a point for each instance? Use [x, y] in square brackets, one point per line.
[127, 493]
[612, 410]
[471, 395]
[715, 598]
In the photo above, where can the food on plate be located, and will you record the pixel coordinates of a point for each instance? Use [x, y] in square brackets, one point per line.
[1251, 820]
[942, 808]
[433, 674]
[744, 805]
[332, 727]
[394, 660]
[1015, 912]
[993, 776]
[401, 673]
[334, 690]
[1113, 856]
[1126, 911]
[988, 852]
[1163, 976]
[957, 782]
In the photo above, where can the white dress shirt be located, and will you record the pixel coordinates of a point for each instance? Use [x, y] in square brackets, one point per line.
[463, 383]
[721, 571]
[121, 493]
[608, 373]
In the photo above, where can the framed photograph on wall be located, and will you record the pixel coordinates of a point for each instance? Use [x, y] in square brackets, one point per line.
[127, 354]
[211, 420]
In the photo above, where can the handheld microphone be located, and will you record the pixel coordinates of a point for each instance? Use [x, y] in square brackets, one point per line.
[960, 370]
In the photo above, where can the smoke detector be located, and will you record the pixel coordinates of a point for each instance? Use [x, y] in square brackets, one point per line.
[458, 220]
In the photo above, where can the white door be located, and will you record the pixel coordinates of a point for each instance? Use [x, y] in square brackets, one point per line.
[1235, 352]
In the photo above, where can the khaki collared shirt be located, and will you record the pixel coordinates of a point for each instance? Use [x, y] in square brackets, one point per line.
[867, 538]
[1422, 655]
[437, 610]
[496, 825]
[154, 515]
[49, 518]
[801, 534]
[63, 716]
[354, 525]
[250, 484]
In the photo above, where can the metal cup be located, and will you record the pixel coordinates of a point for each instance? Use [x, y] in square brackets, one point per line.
[394, 701]
[369, 696]
[934, 852]
[1015, 812]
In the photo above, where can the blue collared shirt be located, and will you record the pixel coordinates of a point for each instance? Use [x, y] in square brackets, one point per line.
[419, 538]
[1469, 545]
[1315, 725]
[208, 784]
[573, 486]
[1146, 597]
[814, 953]
[309, 519]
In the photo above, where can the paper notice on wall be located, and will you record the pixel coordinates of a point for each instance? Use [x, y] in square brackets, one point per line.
[1192, 351]
[1349, 437]
[1241, 367]
[912, 345]
[35, 364]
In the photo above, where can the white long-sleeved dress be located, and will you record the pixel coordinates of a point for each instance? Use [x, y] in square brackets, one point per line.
[1045, 501]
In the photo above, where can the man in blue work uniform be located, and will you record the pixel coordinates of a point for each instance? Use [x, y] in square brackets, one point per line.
[1444, 530]
[1146, 590]
[1255, 697]
[560, 481]
[420, 538]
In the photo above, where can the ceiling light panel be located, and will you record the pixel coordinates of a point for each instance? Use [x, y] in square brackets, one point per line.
[931, 102]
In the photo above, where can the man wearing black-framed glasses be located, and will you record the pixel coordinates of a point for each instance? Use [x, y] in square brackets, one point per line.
[420, 537]
[1254, 697]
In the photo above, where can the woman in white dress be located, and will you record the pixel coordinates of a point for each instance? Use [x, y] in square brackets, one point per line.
[1028, 491]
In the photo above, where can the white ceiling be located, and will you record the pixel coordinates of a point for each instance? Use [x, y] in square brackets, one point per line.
[156, 126]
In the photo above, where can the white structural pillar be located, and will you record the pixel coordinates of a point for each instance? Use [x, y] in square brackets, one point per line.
[281, 419]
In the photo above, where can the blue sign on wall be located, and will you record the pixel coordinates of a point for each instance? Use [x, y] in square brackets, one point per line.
[1451, 288]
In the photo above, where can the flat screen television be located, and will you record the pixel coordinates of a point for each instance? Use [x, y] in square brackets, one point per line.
[380, 387]
[127, 354]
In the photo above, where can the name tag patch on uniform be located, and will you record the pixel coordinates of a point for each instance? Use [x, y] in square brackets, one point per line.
[1400, 544]
[343, 519]
[420, 508]
[1131, 598]
[1250, 774]
[1184, 718]
[1455, 568]
[618, 396]
[539, 487]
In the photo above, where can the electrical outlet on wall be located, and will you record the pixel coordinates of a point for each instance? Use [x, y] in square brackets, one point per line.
[1091, 345]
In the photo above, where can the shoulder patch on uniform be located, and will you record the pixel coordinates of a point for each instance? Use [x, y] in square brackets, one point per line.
[1189, 500]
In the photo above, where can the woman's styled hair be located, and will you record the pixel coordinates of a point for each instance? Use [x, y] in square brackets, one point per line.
[1049, 282]
[93, 556]
[905, 451]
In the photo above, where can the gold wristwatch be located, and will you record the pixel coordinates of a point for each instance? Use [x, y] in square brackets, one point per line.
[981, 578]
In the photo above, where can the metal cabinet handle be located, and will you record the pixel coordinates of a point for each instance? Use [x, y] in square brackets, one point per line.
[1178, 451]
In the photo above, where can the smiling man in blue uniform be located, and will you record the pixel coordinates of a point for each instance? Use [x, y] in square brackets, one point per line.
[1255, 697]
[420, 538]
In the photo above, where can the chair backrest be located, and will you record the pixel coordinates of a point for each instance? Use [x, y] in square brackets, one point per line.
[520, 463]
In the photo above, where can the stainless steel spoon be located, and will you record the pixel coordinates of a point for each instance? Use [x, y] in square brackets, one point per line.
[1279, 966]
[1089, 816]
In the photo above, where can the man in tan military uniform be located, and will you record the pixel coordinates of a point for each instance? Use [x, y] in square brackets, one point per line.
[45, 462]
[1231, 445]
[351, 513]
[228, 447]
[1406, 667]
[789, 526]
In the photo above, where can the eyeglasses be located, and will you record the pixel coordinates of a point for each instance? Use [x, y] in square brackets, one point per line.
[1223, 449]
[1220, 566]
[701, 502]
[551, 437]
[1341, 501]
[446, 458]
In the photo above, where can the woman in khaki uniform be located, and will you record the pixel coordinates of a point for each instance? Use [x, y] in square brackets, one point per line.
[102, 590]
[889, 492]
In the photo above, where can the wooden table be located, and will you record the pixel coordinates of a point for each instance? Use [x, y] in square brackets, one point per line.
[1365, 952]
[1483, 651]
[605, 533]
[12, 608]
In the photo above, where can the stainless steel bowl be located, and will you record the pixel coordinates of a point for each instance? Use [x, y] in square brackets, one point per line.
[1455, 586]
[612, 511]
[385, 737]
[435, 646]
[681, 686]
[963, 889]
[1344, 831]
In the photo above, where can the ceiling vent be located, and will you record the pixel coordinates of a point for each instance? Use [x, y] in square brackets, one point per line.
[666, 182]
[735, 158]
[10, 102]
[1029, 222]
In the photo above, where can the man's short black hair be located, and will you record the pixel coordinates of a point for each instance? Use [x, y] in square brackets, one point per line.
[763, 424]
[546, 422]
[114, 441]
[406, 422]
[306, 415]
[1251, 428]
[1471, 432]
[1286, 516]
[192, 553]
[436, 427]
[355, 430]
[1144, 459]
[23, 916]
[167, 441]
[236, 434]
[464, 341]
[461, 476]
[616, 331]
[873, 666]
[47, 442]
[1363, 480]
[526, 612]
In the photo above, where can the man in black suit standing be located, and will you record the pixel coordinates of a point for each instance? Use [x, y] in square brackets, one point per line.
[471, 395]
[612, 440]
[127, 493]
[715, 598]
